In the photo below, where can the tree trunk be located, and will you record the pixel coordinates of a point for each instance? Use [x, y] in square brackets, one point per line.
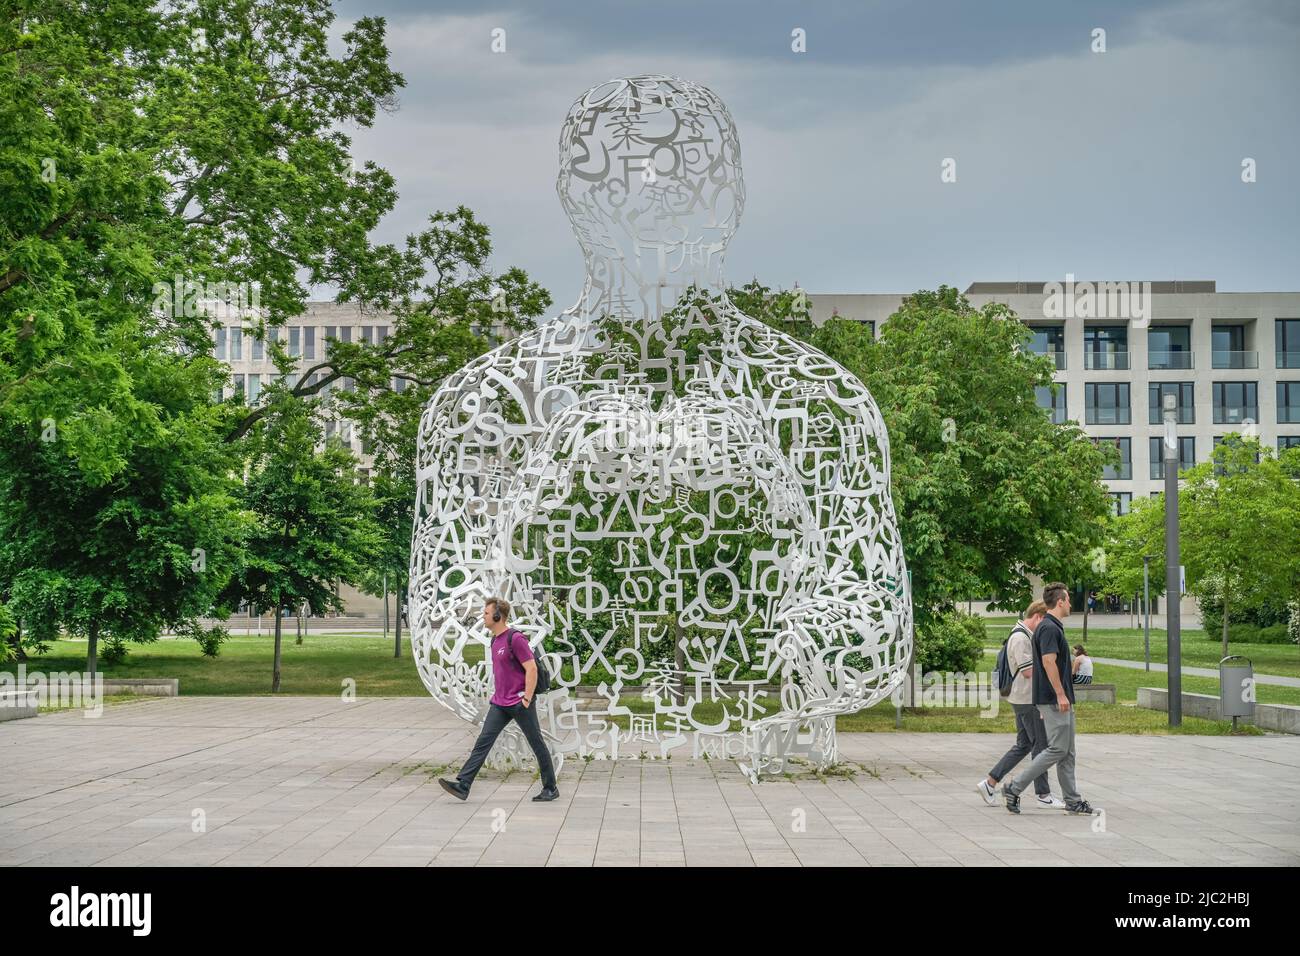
[1087, 603]
[299, 617]
[386, 604]
[275, 670]
[397, 603]
[19, 653]
[1225, 622]
[679, 659]
[92, 649]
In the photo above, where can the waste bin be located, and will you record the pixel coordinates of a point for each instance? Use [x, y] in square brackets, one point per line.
[1236, 688]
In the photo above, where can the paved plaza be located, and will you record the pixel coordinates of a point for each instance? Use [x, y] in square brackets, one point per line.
[250, 781]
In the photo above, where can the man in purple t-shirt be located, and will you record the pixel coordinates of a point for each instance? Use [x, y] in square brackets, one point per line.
[514, 677]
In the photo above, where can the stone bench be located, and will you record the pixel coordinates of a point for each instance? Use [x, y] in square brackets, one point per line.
[145, 686]
[16, 704]
[1282, 718]
[1095, 693]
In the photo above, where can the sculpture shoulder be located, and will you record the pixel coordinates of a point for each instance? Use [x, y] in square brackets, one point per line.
[779, 356]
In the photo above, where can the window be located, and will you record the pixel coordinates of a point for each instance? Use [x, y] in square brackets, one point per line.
[1123, 471]
[1105, 346]
[236, 344]
[1186, 455]
[1169, 346]
[254, 387]
[1121, 502]
[219, 344]
[257, 349]
[381, 334]
[345, 334]
[1052, 400]
[1049, 340]
[399, 384]
[1286, 338]
[1235, 402]
[1228, 347]
[1182, 393]
[295, 341]
[238, 382]
[309, 341]
[1288, 402]
[1287, 441]
[1106, 403]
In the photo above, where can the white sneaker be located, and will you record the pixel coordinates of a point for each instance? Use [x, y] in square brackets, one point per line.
[1051, 802]
[985, 791]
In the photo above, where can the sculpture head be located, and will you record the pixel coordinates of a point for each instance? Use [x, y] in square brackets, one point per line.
[650, 178]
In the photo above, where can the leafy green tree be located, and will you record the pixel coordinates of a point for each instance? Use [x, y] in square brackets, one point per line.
[142, 545]
[988, 490]
[1239, 517]
[314, 518]
[1130, 537]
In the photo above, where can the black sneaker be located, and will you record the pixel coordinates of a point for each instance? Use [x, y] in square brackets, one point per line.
[1083, 806]
[455, 789]
[1013, 800]
[548, 793]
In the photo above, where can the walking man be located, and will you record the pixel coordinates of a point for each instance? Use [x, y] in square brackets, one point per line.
[1031, 736]
[1054, 696]
[514, 675]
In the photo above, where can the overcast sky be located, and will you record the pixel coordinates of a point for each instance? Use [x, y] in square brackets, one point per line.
[1118, 165]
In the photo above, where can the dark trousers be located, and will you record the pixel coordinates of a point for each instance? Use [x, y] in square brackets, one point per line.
[1031, 739]
[495, 722]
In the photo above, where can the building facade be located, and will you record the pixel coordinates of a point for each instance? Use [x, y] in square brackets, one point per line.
[1230, 359]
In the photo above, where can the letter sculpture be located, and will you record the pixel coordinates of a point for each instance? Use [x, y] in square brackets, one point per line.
[675, 497]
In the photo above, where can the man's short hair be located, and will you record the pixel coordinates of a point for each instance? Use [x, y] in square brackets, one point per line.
[1035, 609]
[1053, 593]
[501, 605]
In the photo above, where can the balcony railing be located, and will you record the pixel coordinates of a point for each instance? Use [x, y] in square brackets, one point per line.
[1106, 360]
[1185, 415]
[1059, 354]
[1180, 359]
[1108, 416]
[1235, 414]
[1284, 360]
[1223, 359]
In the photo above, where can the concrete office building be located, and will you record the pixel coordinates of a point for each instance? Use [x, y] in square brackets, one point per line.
[1231, 359]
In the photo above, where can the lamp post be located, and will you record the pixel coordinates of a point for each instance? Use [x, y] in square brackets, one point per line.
[1146, 607]
[1172, 587]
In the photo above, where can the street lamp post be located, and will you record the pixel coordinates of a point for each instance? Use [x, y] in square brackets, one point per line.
[1146, 607]
[1173, 589]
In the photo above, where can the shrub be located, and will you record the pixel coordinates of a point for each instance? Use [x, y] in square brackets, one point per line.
[951, 642]
[1274, 634]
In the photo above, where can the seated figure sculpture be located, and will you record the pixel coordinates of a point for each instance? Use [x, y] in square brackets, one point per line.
[674, 496]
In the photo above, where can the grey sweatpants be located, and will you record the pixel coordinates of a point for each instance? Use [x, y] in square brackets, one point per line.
[1031, 740]
[1059, 754]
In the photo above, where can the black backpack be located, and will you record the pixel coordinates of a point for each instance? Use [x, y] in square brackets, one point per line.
[543, 675]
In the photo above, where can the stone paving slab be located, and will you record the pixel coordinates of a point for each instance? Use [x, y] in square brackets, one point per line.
[261, 781]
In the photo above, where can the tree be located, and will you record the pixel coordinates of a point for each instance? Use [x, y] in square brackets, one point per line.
[988, 490]
[1129, 538]
[314, 524]
[1239, 519]
[123, 546]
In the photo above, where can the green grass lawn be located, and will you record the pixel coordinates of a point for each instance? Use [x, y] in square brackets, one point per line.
[318, 666]
[1200, 649]
[321, 663]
